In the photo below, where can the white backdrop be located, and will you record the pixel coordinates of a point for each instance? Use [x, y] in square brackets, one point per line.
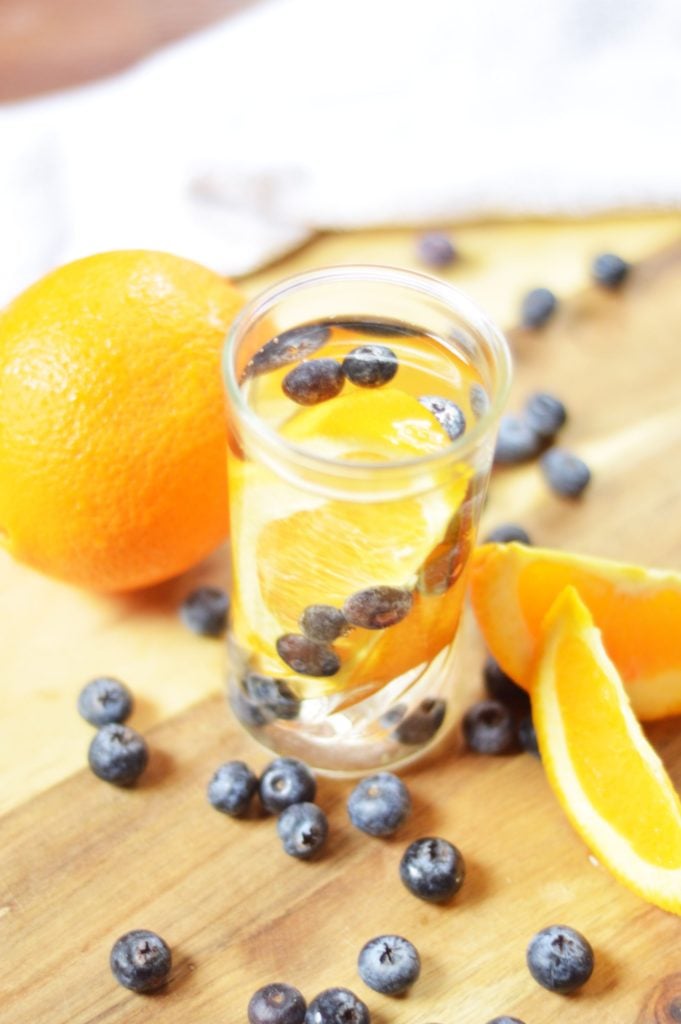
[240, 141]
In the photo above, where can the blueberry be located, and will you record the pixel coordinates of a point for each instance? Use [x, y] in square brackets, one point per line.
[323, 623]
[370, 366]
[315, 381]
[546, 414]
[288, 347]
[422, 723]
[505, 1020]
[307, 657]
[204, 611]
[432, 869]
[565, 473]
[527, 736]
[610, 270]
[274, 697]
[505, 533]
[501, 687]
[379, 804]
[435, 249]
[276, 1004]
[516, 441]
[118, 754]
[140, 960]
[378, 607]
[232, 787]
[560, 959]
[337, 1006]
[286, 781]
[479, 400]
[538, 307]
[104, 700]
[446, 561]
[488, 728]
[393, 715]
[447, 413]
[303, 829]
[389, 964]
[253, 716]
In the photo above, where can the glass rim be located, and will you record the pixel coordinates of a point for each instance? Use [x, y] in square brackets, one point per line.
[432, 287]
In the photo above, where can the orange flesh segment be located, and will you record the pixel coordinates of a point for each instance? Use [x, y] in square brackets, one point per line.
[637, 610]
[609, 780]
[598, 732]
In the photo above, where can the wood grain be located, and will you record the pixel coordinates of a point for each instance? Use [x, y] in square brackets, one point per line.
[83, 862]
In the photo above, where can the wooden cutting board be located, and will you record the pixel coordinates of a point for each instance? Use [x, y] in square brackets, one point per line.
[82, 862]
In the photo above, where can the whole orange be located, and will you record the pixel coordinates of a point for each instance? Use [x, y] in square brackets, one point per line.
[112, 422]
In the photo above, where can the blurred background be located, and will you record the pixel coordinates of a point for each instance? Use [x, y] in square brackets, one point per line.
[244, 132]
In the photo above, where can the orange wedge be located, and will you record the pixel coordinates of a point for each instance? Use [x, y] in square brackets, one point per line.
[292, 548]
[637, 610]
[607, 777]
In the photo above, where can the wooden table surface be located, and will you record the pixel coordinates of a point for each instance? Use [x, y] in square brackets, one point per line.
[80, 862]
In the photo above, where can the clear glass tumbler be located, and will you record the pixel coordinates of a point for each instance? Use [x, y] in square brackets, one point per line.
[362, 407]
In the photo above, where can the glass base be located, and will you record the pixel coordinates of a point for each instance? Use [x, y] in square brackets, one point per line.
[392, 726]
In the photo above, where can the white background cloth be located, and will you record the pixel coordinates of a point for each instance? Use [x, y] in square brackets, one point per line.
[239, 142]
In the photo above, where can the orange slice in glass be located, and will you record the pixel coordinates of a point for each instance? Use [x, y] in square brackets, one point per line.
[637, 610]
[293, 548]
[606, 775]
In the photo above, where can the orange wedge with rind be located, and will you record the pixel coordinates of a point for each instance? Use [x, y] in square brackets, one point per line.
[638, 611]
[606, 775]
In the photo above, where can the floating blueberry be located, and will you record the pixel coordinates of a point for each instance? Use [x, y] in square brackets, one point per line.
[274, 697]
[393, 715]
[560, 959]
[488, 728]
[303, 829]
[565, 473]
[479, 400]
[527, 736]
[337, 1006]
[538, 307]
[435, 249]
[252, 715]
[447, 413]
[307, 657]
[105, 700]
[379, 804]
[276, 1004]
[505, 533]
[118, 754]
[422, 723]
[370, 366]
[286, 781]
[516, 441]
[288, 347]
[204, 611]
[232, 788]
[389, 964]
[378, 607]
[432, 869]
[610, 270]
[323, 623]
[546, 414]
[315, 381]
[140, 960]
[501, 687]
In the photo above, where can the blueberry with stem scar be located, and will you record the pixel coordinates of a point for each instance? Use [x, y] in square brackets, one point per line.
[389, 964]
[286, 781]
[303, 829]
[560, 959]
[276, 1003]
[379, 804]
[337, 1006]
[488, 728]
[370, 365]
[140, 960]
[432, 869]
[104, 700]
[118, 754]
